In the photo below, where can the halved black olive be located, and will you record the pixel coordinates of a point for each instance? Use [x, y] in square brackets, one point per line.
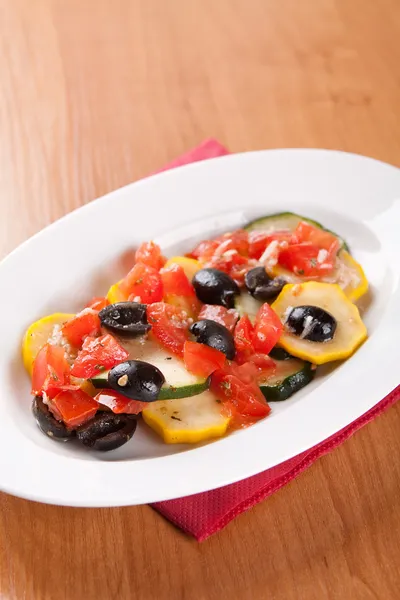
[215, 287]
[127, 319]
[311, 323]
[137, 380]
[261, 286]
[214, 335]
[48, 424]
[107, 431]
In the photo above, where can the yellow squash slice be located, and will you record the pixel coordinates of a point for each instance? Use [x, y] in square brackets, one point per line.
[114, 294]
[189, 265]
[350, 331]
[37, 336]
[187, 420]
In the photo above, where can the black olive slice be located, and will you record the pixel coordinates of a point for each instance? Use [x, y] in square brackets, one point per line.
[311, 323]
[214, 335]
[107, 431]
[127, 319]
[54, 429]
[137, 380]
[215, 287]
[261, 286]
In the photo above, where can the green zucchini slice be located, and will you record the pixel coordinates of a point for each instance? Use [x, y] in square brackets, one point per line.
[245, 304]
[179, 383]
[287, 220]
[290, 376]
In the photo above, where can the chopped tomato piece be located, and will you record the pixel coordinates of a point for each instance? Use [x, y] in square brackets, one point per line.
[188, 304]
[98, 303]
[224, 316]
[259, 240]
[243, 337]
[120, 404]
[175, 281]
[97, 355]
[236, 240]
[142, 284]
[50, 370]
[244, 402]
[204, 250]
[149, 254]
[73, 407]
[201, 359]
[256, 367]
[267, 329]
[169, 325]
[86, 323]
[305, 232]
[307, 259]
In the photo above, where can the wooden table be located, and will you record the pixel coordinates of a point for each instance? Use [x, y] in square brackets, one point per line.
[95, 94]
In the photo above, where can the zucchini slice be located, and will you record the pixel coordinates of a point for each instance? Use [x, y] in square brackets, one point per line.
[290, 376]
[350, 331]
[179, 383]
[287, 220]
[188, 420]
[245, 304]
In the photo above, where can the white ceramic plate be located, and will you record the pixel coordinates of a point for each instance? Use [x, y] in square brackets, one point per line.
[63, 266]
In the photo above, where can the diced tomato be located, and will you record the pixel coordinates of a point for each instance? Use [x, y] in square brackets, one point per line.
[305, 232]
[144, 283]
[86, 323]
[244, 402]
[50, 370]
[149, 254]
[243, 337]
[120, 404]
[236, 240]
[175, 281]
[202, 360]
[169, 325]
[191, 305]
[305, 259]
[235, 265]
[98, 303]
[204, 250]
[257, 366]
[224, 316]
[267, 329]
[259, 240]
[97, 355]
[73, 407]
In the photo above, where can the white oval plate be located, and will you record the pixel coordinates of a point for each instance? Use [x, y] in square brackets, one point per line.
[60, 268]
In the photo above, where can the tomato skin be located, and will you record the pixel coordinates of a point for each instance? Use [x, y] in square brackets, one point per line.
[259, 240]
[119, 404]
[169, 325]
[86, 323]
[73, 407]
[224, 316]
[267, 329]
[142, 282]
[149, 254]
[98, 303]
[255, 368]
[243, 337]
[50, 370]
[202, 360]
[97, 355]
[305, 232]
[244, 402]
[204, 250]
[302, 259]
[227, 253]
[175, 281]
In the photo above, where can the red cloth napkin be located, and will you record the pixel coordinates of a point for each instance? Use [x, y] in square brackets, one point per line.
[203, 514]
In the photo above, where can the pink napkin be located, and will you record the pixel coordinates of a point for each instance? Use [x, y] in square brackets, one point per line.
[203, 514]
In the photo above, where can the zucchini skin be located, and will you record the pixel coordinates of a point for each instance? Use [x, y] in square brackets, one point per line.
[290, 385]
[251, 225]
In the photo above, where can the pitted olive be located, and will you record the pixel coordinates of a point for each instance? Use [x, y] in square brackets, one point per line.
[261, 286]
[107, 431]
[311, 323]
[215, 287]
[137, 380]
[126, 319]
[54, 429]
[214, 335]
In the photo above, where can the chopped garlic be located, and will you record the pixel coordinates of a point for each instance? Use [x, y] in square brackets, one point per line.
[322, 256]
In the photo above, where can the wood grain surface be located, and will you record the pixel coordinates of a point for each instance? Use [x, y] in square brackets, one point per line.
[97, 93]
